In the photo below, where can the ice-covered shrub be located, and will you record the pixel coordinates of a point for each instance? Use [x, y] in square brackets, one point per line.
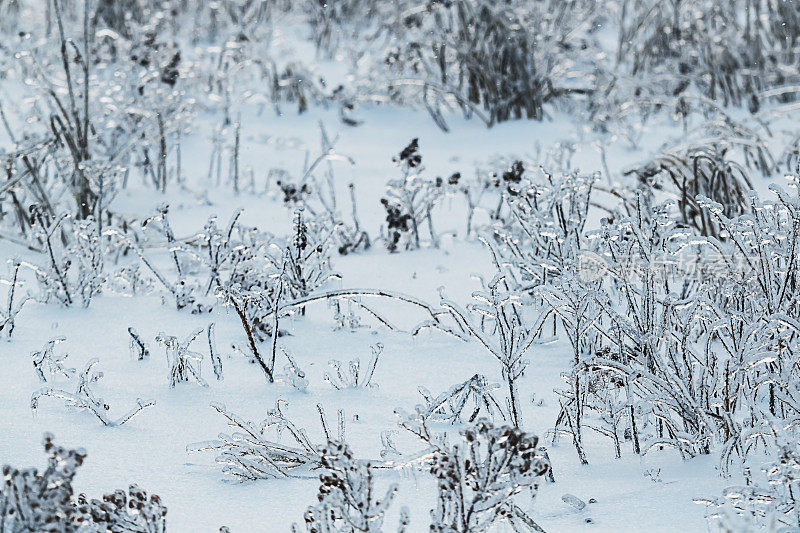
[71, 267]
[348, 502]
[34, 501]
[478, 478]
[497, 322]
[306, 261]
[770, 503]
[542, 228]
[409, 202]
[319, 201]
[649, 353]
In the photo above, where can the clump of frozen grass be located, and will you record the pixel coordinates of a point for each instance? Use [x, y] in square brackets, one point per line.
[495, 61]
[85, 398]
[701, 171]
[249, 453]
[352, 376]
[768, 501]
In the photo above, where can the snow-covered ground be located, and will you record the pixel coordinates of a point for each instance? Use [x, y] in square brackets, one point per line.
[151, 449]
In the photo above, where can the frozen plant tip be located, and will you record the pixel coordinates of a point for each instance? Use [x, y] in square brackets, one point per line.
[47, 364]
[216, 360]
[139, 348]
[293, 374]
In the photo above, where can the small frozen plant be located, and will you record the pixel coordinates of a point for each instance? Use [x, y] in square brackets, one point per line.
[72, 266]
[496, 321]
[409, 202]
[184, 364]
[345, 315]
[353, 376]
[306, 259]
[48, 365]
[86, 398]
[293, 374]
[771, 506]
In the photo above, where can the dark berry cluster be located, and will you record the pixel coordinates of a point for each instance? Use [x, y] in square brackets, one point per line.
[292, 194]
[410, 155]
[397, 223]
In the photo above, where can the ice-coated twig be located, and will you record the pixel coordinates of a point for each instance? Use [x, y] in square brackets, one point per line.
[138, 347]
[7, 318]
[85, 398]
[216, 360]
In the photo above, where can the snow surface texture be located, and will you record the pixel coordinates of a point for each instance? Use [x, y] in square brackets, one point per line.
[635, 492]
